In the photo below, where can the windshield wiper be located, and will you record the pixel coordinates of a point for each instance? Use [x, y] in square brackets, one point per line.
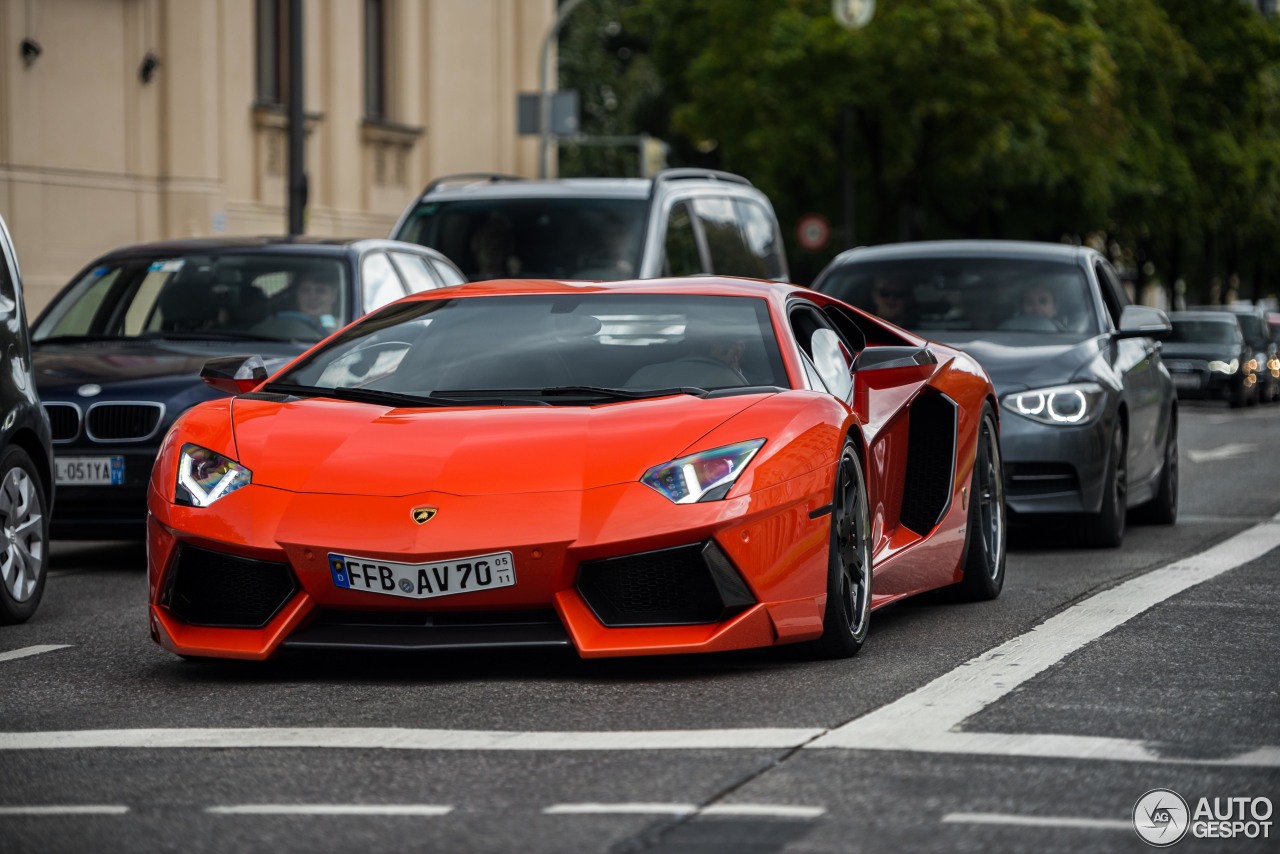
[205, 335]
[360, 395]
[580, 391]
[75, 339]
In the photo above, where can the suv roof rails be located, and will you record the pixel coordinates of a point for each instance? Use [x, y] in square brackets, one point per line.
[705, 174]
[470, 178]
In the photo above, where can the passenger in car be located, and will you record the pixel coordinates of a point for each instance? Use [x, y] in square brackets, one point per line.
[893, 299]
[493, 249]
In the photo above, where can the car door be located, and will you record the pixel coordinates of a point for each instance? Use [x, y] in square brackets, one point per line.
[1137, 363]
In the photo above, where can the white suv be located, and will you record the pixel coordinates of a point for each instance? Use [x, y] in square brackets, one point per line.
[681, 222]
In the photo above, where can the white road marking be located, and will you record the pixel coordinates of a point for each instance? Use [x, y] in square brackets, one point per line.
[1231, 450]
[620, 809]
[333, 809]
[928, 719]
[392, 738]
[1035, 821]
[69, 809]
[756, 810]
[31, 650]
[764, 810]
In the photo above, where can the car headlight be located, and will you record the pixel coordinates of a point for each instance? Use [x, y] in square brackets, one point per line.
[204, 476]
[1225, 367]
[1062, 406]
[706, 476]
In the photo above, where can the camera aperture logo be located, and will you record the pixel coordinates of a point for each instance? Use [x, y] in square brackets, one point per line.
[1160, 817]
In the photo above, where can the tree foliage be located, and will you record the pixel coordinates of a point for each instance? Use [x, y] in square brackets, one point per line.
[1154, 124]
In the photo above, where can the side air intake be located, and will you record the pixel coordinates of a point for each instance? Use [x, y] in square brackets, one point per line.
[931, 461]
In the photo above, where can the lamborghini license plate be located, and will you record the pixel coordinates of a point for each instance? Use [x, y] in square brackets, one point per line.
[423, 580]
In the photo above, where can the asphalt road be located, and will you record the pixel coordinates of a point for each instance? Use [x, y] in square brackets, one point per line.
[1031, 723]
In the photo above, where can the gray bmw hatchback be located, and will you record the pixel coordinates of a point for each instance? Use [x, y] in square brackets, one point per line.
[1089, 421]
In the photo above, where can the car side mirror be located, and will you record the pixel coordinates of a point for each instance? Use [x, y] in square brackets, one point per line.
[1140, 321]
[889, 358]
[234, 374]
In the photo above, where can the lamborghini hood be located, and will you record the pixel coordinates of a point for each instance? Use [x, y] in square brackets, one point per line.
[326, 446]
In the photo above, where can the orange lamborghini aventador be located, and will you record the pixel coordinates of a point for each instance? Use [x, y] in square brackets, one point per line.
[626, 468]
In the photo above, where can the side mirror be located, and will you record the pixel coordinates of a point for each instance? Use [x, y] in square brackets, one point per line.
[234, 374]
[888, 358]
[1140, 321]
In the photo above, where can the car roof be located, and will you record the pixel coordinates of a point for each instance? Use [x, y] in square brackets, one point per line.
[965, 248]
[565, 188]
[690, 285]
[303, 244]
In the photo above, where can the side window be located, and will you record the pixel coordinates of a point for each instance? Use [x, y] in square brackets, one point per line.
[762, 238]
[447, 274]
[1112, 293]
[418, 275]
[683, 257]
[725, 242]
[379, 283]
[8, 293]
[824, 350]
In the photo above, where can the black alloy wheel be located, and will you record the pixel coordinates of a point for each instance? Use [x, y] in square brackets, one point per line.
[986, 528]
[1105, 529]
[848, 612]
[1163, 509]
[24, 537]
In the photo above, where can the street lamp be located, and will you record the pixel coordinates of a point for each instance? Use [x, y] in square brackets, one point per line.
[544, 89]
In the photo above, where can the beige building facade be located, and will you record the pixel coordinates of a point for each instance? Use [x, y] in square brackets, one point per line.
[100, 147]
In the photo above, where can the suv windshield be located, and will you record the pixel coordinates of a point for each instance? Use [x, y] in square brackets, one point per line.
[1204, 331]
[560, 238]
[226, 295]
[590, 344]
[931, 295]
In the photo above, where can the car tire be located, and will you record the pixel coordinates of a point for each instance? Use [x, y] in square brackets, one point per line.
[986, 531]
[1105, 529]
[848, 613]
[24, 537]
[1238, 396]
[1163, 509]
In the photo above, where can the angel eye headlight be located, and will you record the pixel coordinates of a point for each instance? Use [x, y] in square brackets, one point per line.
[1067, 405]
[706, 476]
[204, 476]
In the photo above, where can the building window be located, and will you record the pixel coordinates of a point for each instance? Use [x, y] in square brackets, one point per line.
[273, 51]
[375, 59]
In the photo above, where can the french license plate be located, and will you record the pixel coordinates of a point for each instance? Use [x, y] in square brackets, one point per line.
[89, 471]
[423, 580]
[1188, 381]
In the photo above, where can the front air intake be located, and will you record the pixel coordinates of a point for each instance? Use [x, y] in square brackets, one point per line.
[208, 588]
[685, 585]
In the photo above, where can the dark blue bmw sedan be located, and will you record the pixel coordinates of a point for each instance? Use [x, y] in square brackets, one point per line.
[119, 350]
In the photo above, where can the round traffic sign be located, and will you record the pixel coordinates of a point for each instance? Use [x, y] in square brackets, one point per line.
[813, 231]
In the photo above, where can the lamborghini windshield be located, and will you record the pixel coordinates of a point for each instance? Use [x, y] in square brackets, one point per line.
[597, 345]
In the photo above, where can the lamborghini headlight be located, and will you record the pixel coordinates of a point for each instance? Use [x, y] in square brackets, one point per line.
[1225, 367]
[706, 476]
[1065, 405]
[204, 476]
